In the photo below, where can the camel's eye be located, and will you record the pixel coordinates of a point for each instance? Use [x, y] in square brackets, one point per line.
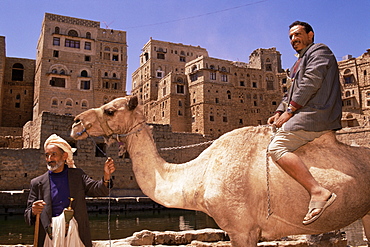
[77, 121]
[109, 112]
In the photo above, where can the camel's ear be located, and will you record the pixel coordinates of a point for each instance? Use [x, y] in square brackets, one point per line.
[132, 103]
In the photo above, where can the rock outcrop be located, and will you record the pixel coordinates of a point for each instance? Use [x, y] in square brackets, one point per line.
[218, 238]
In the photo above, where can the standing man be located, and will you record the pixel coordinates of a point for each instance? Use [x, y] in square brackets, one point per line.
[312, 107]
[53, 191]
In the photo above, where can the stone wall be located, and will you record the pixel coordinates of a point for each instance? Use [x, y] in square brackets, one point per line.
[356, 136]
[19, 166]
[13, 131]
[11, 137]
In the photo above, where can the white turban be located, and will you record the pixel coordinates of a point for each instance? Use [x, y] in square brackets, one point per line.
[61, 143]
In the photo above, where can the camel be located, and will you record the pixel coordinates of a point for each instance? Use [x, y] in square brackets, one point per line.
[228, 180]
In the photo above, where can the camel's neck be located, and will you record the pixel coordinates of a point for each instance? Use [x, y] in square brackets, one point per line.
[166, 183]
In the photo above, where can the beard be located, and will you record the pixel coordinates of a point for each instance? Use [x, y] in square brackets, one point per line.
[52, 166]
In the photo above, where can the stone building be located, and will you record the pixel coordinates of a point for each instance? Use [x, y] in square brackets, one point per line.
[188, 96]
[182, 86]
[78, 65]
[160, 82]
[224, 95]
[16, 88]
[355, 89]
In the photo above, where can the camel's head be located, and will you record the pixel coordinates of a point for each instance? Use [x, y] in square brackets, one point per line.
[119, 116]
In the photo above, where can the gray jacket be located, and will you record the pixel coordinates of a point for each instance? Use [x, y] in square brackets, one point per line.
[316, 89]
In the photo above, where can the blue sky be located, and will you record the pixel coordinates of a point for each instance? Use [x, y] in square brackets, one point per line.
[228, 29]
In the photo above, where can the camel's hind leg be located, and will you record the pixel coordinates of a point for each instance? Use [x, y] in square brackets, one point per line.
[247, 238]
[366, 224]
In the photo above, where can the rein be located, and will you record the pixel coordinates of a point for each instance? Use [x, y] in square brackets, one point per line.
[117, 136]
[109, 132]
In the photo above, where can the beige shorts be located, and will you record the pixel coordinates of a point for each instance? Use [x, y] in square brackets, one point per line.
[288, 141]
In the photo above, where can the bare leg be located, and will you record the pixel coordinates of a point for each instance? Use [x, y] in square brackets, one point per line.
[294, 167]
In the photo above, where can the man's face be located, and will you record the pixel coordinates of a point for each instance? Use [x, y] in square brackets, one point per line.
[299, 39]
[55, 158]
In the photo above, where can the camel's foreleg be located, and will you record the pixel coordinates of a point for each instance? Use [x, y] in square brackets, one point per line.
[366, 224]
[247, 238]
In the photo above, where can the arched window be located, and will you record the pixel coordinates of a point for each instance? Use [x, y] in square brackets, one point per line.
[348, 77]
[54, 71]
[88, 35]
[62, 72]
[84, 104]
[223, 69]
[54, 102]
[114, 75]
[348, 93]
[72, 33]
[106, 48]
[84, 73]
[57, 30]
[115, 49]
[17, 72]
[228, 94]
[69, 103]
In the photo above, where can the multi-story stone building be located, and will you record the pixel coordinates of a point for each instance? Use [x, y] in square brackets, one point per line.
[226, 95]
[182, 86]
[78, 65]
[16, 88]
[160, 82]
[355, 83]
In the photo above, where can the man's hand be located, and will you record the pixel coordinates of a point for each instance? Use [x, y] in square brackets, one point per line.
[37, 207]
[282, 119]
[273, 119]
[108, 168]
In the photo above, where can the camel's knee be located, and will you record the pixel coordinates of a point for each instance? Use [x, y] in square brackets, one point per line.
[249, 238]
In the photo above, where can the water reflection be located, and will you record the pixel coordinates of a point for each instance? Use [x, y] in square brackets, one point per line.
[13, 229]
[125, 224]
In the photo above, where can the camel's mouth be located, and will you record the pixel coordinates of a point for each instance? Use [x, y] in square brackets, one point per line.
[78, 131]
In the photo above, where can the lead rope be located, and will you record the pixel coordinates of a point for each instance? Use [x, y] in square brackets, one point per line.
[109, 188]
[269, 211]
[109, 183]
[108, 220]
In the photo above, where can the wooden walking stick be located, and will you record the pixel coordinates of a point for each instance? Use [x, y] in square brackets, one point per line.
[36, 235]
[37, 222]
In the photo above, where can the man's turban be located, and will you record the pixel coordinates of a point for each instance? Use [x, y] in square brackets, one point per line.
[61, 143]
